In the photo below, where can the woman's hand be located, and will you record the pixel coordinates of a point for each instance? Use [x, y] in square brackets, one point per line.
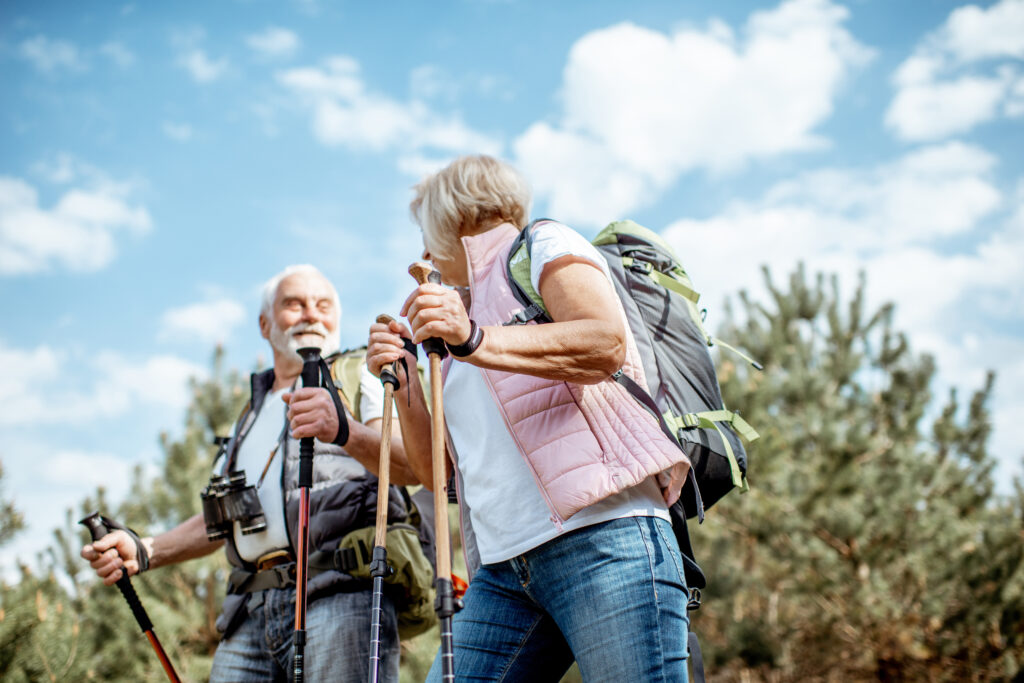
[385, 345]
[671, 482]
[436, 311]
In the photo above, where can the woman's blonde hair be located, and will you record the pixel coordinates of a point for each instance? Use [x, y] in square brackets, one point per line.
[470, 195]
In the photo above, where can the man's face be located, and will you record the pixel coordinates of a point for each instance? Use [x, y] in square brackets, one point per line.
[304, 314]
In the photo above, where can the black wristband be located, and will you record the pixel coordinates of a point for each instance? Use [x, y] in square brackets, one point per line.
[476, 336]
[140, 550]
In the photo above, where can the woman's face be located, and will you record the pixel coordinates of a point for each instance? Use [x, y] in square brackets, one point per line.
[454, 270]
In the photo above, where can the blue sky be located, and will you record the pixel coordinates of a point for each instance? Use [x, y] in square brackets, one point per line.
[160, 161]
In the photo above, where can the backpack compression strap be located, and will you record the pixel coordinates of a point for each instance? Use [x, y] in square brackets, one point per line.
[709, 419]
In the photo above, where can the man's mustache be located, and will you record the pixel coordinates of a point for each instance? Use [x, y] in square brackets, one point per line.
[307, 328]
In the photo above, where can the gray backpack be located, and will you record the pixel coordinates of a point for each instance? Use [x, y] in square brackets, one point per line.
[661, 308]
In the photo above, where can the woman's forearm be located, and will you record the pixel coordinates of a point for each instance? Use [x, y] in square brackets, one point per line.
[414, 422]
[585, 344]
[579, 351]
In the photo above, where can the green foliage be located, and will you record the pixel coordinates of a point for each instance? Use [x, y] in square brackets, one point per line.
[871, 545]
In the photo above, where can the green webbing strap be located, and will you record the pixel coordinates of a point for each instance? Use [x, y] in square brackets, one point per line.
[709, 419]
[666, 281]
[741, 426]
[734, 467]
[519, 268]
[716, 340]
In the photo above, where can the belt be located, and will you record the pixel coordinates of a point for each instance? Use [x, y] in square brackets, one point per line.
[277, 569]
[274, 559]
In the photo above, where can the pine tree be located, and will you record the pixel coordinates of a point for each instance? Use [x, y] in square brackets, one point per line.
[63, 624]
[870, 546]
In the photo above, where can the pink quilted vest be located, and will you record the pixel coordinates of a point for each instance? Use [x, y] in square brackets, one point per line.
[582, 442]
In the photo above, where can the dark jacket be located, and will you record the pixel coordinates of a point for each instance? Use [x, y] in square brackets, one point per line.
[343, 498]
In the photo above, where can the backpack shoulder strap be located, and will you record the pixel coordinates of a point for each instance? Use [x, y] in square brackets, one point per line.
[345, 370]
[518, 272]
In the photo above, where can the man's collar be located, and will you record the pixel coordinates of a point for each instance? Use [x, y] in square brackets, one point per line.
[259, 386]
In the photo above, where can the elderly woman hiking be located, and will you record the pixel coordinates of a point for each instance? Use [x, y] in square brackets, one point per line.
[564, 478]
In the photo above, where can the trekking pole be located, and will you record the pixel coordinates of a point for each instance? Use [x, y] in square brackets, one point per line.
[310, 378]
[446, 604]
[98, 528]
[379, 564]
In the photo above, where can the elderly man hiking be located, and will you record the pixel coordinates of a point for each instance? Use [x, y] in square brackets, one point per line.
[300, 309]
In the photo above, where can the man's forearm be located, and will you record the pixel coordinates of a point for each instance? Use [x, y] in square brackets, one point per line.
[364, 445]
[186, 541]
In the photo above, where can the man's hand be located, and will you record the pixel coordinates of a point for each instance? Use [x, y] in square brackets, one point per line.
[112, 555]
[311, 413]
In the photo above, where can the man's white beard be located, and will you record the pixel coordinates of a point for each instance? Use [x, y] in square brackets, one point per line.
[287, 342]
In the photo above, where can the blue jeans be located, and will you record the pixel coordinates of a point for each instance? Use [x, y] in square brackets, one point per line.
[337, 640]
[611, 595]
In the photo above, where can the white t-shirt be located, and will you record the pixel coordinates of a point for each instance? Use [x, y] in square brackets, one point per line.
[263, 437]
[508, 512]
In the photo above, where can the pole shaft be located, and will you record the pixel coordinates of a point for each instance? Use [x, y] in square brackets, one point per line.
[162, 656]
[384, 470]
[302, 561]
[441, 532]
[375, 619]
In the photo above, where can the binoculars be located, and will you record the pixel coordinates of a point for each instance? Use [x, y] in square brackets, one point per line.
[226, 500]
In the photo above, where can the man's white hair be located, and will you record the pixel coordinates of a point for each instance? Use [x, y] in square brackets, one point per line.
[271, 285]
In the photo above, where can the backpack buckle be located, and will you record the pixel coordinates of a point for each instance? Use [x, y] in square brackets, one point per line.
[345, 559]
[639, 266]
[520, 317]
[693, 600]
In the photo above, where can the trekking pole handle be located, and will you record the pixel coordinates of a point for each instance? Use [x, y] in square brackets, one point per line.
[423, 273]
[310, 378]
[388, 373]
[94, 523]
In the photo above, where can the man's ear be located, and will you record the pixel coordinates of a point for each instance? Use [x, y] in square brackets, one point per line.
[264, 326]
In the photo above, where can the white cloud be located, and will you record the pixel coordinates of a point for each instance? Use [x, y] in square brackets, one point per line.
[202, 68]
[36, 386]
[209, 321]
[274, 42]
[346, 113]
[77, 233]
[972, 33]
[964, 74]
[118, 54]
[50, 55]
[888, 219]
[955, 297]
[182, 132]
[642, 107]
[80, 469]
